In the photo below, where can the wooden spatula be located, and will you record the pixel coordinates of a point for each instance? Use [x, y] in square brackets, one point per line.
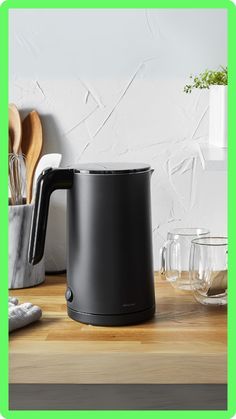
[32, 142]
[15, 128]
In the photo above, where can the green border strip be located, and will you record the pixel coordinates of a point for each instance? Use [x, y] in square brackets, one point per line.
[232, 210]
[11, 4]
[4, 209]
[161, 4]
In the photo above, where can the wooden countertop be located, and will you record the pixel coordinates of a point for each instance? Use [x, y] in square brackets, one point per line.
[184, 343]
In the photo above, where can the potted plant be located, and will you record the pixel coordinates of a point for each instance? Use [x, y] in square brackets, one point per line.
[216, 82]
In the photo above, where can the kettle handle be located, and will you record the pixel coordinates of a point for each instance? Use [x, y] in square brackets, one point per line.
[49, 180]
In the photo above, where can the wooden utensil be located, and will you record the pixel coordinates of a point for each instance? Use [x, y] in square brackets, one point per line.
[15, 130]
[32, 142]
[15, 158]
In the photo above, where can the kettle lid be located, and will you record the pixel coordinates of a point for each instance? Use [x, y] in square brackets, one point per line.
[111, 168]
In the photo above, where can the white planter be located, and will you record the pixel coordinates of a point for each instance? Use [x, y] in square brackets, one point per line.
[218, 116]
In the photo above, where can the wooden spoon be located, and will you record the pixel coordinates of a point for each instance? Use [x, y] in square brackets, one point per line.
[15, 130]
[32, 142]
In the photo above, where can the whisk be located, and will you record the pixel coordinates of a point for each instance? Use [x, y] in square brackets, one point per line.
[16, 177]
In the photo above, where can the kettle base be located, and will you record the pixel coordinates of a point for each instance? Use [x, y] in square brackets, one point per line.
[112, 320]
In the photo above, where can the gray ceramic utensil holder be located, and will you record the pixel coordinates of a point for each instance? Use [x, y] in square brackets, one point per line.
[20, 273]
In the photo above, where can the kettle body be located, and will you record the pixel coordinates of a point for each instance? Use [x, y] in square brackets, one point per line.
[109, 240]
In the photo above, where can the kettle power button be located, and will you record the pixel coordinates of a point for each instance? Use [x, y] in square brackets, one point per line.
[69, 295]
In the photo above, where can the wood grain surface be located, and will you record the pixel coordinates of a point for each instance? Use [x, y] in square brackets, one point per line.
[184, 343]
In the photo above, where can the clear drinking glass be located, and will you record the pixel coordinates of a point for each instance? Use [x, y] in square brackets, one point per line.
[209, 270]
[175, 255]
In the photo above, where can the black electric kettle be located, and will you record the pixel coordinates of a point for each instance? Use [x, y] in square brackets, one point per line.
[109, 240]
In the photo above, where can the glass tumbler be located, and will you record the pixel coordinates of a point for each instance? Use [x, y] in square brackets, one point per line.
[175, 255]
[208, 270]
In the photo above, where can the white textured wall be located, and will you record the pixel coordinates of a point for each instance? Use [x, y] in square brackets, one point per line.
[108, 84]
